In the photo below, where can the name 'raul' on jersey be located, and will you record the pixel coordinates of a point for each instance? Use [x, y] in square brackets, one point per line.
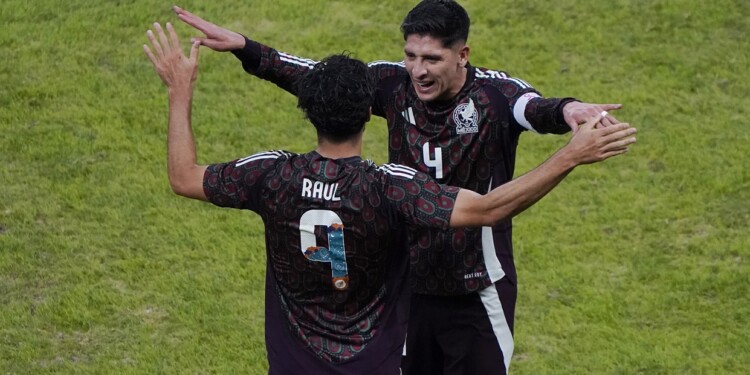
[320, 190]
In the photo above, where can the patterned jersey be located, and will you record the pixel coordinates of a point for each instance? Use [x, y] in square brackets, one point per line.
[332, 238]
[469, 142]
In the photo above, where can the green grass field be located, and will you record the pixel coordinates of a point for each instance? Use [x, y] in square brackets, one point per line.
[639, 265]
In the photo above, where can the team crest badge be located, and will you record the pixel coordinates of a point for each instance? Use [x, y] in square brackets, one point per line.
[466, 118]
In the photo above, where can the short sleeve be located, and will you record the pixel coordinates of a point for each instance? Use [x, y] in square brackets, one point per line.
[418, 198]
[238, 184]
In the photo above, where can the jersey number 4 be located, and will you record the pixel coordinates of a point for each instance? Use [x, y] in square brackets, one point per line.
[334, 253]
[433, 162]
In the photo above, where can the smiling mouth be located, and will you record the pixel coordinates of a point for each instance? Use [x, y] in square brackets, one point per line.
[423, 86]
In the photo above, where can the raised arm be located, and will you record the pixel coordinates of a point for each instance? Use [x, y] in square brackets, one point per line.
[588, 145]
[215, 37]
[179, 73]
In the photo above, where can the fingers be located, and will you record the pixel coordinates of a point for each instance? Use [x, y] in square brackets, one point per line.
[612, 153]
[164, 45]
[162, 37]
[608, 120]
[194, 51]
[619, 140]
[154, 42]
[149, 54]
[593, 120]
[576, 113]
[173, 35]
[190, 18]
[183, 12]
[611, 131]
[619, 144]
[610, 107]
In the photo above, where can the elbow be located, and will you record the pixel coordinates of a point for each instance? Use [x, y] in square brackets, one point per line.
[178, 186]
[180, 183]
[499, 215]
[481, 218]
[188, 182]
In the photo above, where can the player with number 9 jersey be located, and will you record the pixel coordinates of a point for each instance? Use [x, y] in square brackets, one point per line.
[336, 256]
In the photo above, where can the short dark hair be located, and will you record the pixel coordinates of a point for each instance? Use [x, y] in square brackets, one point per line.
[442, 19]
[336, 96]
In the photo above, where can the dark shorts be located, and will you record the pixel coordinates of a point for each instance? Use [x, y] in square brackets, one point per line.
[461, 335]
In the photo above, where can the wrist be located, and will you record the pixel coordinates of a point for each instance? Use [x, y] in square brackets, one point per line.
[560, 112]
[239, 41]
[565, 158]
[180, 91]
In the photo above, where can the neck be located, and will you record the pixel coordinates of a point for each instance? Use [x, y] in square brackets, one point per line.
[463, 72]
[454, 89]
[340, 150]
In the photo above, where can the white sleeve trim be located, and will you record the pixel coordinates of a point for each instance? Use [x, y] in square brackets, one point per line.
[261, 155]
[519, 110]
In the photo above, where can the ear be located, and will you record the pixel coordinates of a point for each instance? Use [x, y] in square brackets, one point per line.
[463, 55]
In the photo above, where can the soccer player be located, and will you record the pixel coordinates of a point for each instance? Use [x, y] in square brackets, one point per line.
[494, 122]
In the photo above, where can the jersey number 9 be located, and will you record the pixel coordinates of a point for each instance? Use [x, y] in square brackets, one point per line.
[334, 253]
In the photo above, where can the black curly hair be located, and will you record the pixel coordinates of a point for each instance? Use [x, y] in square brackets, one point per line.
[441, 19]
[336, 95]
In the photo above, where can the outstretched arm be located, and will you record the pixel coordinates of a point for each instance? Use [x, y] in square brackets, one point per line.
[215, 37]
[588, 145]
[560, 115]
[179, 73]
[257, 59]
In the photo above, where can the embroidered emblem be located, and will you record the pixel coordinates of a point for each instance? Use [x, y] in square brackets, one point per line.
[466, 118]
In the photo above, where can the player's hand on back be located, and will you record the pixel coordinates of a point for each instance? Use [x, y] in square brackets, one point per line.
[176, 70]
[217, 38]
[576, 113]
[594, 142]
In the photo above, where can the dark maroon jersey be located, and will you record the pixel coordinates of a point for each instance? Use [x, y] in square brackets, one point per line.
[333, 239]
[469, 142]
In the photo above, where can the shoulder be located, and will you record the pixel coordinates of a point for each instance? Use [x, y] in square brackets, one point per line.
[497, 83]
[264, 157]
[254, 165]
[407, 179]
[385, 69]
[398, 171]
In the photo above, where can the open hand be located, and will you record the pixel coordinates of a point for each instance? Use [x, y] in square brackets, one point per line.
[175, 69]
[217, 38]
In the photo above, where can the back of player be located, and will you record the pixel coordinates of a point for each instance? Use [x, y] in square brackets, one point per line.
[335, 302]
